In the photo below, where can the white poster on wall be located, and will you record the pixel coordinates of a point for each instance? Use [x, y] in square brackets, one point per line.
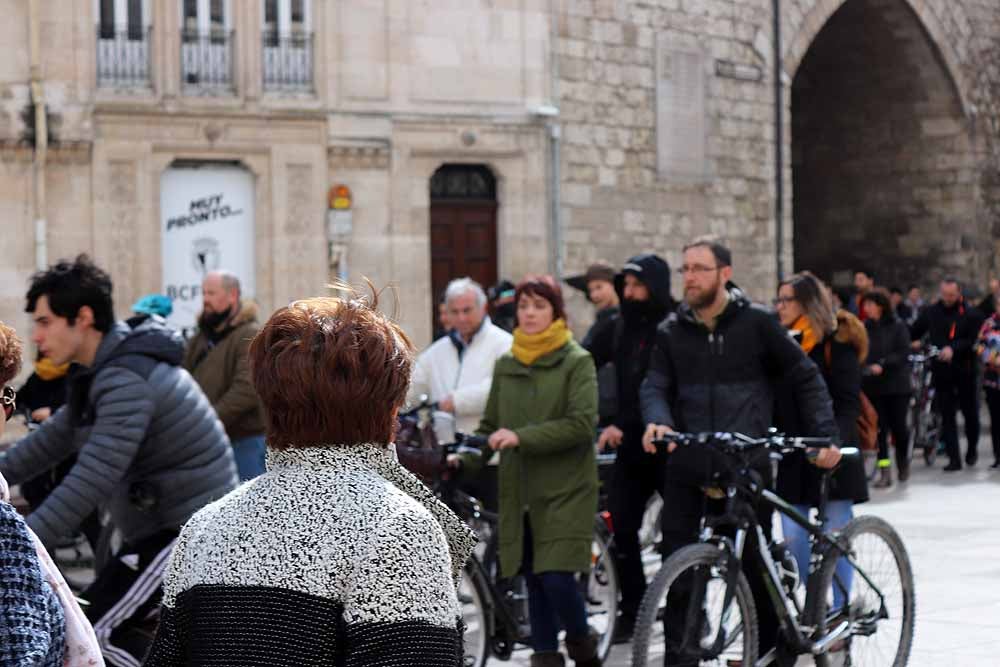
[207, 223]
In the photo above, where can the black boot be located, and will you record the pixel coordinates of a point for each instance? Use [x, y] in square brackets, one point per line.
[624, 627]
[548, 659]
[583, 651]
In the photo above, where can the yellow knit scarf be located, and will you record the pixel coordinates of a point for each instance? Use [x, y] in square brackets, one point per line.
[809, 339]
[45, 369]
[529, 348]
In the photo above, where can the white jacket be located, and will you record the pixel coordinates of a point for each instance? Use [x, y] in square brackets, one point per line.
[440, 373]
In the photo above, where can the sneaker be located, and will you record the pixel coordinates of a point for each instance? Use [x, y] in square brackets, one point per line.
[996, 464]
[952, 467]
[971, 458]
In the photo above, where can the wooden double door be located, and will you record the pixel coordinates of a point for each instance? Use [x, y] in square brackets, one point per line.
[463, 243]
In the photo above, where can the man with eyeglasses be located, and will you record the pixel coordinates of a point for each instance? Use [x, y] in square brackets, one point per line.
[715, 367]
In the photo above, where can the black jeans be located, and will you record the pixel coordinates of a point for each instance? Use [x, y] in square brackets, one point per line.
[993, 403]
[957, 390]
[892, 411]
[634, 479]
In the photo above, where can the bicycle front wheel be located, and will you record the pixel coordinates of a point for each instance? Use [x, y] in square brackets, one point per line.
[602, 589]
[704, 621]
[880, 611]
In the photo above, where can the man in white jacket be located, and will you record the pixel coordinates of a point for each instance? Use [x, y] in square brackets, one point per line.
[456, 371]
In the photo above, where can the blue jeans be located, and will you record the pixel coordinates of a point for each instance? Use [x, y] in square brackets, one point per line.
[838, 513]
[249, 453]
[554, 601]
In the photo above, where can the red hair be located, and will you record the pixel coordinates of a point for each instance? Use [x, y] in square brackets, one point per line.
[330, 371]
[546, 287]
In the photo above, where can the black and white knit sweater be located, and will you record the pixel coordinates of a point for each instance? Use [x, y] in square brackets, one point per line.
[336, 556]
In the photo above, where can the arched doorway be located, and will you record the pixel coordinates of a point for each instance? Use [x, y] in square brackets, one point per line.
[882, 167]
[463, 227]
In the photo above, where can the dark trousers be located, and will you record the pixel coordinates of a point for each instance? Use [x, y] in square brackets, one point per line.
[125, 592]
[554, 601]
[634, 480]
[955, 391]
[993, 403]
[684, 506]
[892, 411]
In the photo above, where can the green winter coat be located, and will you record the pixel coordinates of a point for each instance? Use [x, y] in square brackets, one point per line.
[552, 474]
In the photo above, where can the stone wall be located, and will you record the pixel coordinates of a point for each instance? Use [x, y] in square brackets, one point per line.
[920, 153]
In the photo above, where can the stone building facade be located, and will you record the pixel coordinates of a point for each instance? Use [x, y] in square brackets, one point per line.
[495, 137]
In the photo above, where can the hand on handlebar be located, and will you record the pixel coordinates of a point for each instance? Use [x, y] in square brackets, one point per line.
[454, 461]
[504, 439]
[656, 432]
[946, 354]
[611, 436]
[826, 457]
[447, 404]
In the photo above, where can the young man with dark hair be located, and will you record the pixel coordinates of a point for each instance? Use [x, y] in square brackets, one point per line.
[149, 447]
[953, 326]
[716, 366]
[864, 282]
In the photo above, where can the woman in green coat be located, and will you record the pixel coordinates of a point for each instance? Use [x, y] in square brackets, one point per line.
[540, 416]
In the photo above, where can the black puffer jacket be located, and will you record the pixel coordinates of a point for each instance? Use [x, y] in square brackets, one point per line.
[629, 343]
[726, 379]
[889, 347]
[607, 380]
[799, 480]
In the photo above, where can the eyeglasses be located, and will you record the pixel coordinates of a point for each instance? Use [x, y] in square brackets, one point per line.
[9, 400]
[697, 268]
[782, 300]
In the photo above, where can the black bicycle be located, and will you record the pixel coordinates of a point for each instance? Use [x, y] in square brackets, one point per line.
[924, 419]
[709, 616]
[495, 607]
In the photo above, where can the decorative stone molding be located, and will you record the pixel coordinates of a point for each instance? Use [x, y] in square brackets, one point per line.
[358, 157]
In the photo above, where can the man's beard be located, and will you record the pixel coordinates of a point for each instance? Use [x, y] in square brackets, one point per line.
[210, 321]
[703, 298]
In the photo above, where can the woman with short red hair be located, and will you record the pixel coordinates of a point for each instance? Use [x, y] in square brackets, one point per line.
[540, 416]
[337, 555]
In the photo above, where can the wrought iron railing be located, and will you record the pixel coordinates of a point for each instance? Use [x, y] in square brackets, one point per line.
[288, 61]
[123, 58]
[207, 59]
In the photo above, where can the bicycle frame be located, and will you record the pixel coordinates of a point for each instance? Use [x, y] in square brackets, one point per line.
[739, 513]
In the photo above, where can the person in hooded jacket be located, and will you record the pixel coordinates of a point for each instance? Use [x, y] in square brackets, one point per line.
[716, 366]
[644, 295]
[149, 447]
[837, 343]
[887, 382]
[598, 283]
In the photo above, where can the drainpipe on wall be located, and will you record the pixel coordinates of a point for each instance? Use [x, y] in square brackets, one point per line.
[41, 135]
[779, 147]
[555, 134]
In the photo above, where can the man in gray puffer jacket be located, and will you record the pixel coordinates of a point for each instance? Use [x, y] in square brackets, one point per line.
[150, 449]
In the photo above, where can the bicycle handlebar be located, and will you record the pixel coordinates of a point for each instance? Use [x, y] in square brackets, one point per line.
[738, 442]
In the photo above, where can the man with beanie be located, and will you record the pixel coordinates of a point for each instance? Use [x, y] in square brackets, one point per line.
[217, 358]
[644, 290]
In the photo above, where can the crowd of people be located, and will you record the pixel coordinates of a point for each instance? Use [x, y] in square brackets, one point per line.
[161, 443]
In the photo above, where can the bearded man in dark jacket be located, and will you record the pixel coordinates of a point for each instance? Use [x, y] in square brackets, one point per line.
[716, 366]
[643, 287]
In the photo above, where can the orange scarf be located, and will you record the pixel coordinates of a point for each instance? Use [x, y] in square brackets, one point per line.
[808, 336]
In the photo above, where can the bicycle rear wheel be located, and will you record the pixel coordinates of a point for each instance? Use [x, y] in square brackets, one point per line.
[879, 635]
[472, 596]
[707, 623]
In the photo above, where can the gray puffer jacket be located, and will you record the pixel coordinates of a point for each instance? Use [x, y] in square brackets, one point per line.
[149, 445]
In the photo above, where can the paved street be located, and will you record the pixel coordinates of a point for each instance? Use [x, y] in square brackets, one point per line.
[949, 525]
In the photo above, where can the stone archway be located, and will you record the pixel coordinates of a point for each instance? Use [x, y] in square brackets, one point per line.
[883, 167]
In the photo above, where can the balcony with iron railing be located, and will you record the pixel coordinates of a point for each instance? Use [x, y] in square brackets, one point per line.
[288, 62]
[207, 60]
[123, 58]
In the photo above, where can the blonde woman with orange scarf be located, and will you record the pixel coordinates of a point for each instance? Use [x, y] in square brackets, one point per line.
[837, 343]
[540, 416]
